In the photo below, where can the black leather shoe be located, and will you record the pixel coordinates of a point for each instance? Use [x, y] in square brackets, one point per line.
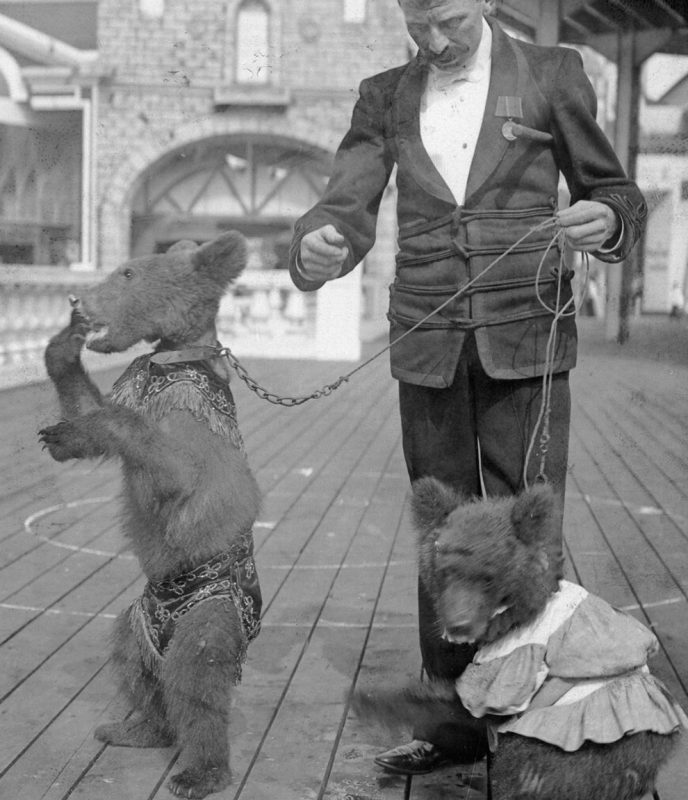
[415, 758]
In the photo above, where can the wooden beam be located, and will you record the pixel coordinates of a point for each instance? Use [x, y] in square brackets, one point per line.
[650, 42]
[628, 11]
[670, 11]
[590, 9]
[607, 44]
[520, 14]
[619, 276]
[548, 23]
[659, 40]
[570, 7]
[583, 33]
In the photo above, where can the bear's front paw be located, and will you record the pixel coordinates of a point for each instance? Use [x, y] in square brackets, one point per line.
[64, 441]
[65, 347]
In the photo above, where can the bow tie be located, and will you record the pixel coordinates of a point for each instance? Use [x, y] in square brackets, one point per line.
[442, 79]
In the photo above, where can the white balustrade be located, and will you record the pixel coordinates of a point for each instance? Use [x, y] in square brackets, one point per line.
[266, 316]
[263, 315]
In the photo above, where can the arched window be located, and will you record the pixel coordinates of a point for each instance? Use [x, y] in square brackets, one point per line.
[257, 184]
[253, 42]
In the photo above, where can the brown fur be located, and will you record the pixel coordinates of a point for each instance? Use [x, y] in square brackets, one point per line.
[188, 494]
[475, 557]
[505, 552]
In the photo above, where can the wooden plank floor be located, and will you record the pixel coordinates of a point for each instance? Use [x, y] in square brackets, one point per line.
[336, 561]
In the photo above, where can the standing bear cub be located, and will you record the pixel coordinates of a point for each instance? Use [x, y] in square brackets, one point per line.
[189, 499]
[560, 678]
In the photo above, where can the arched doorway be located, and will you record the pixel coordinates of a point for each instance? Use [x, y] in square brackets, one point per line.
[254, 183]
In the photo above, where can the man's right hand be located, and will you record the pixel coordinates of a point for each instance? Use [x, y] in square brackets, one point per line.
[323, 253]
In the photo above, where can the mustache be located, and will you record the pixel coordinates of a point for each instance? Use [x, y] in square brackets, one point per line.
[450, 55]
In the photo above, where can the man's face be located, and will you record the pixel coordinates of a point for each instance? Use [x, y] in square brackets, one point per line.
[447, 32]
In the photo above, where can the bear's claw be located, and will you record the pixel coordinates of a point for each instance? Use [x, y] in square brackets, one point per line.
[133, 733]
[60, 441]
[194, 783]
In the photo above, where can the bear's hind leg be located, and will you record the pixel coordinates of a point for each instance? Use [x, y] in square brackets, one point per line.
[149, 727]
[200, 668]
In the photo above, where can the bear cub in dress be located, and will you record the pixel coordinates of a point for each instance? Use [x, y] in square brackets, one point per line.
[560, 678]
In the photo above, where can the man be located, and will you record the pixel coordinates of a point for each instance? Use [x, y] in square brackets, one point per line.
[470, 376]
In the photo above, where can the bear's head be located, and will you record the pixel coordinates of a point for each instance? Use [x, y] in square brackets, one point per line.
[172, 297]
[489, 564]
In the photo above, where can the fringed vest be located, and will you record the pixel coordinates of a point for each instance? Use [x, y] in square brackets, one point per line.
[156, 389]
[229, 578]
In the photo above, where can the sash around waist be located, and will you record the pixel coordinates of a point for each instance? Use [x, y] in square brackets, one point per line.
[464, 323]
[466, 251]
[463, 215]
[480, 305]
[469, 233]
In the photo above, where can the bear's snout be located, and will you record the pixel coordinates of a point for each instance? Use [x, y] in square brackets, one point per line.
[459, 632]
[464, 613]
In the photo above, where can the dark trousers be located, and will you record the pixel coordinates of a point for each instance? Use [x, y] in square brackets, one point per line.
[441, 429]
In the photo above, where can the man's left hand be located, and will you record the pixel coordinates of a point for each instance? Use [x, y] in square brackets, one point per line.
[588, 225]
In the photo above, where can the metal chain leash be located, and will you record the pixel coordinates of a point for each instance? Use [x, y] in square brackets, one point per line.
[326, 390]
[271, 397]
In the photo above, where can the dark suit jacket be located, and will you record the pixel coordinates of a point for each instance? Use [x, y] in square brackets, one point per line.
[511, 187]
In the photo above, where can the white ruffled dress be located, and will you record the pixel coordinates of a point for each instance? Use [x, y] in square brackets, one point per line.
[577, 673]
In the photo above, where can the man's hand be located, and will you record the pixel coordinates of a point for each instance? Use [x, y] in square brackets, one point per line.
[323, 253]
[588, 225]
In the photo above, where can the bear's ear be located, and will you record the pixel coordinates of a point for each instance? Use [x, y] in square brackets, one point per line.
[223, 259]
[432, 502]
[532, 513]
[185, 245]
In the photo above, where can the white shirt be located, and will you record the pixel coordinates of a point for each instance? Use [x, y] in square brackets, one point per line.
[451, 113]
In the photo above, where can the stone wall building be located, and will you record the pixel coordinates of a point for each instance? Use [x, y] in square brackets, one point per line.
[218, 113]
[126, 125]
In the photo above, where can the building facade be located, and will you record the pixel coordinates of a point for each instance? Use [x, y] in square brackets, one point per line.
[126, 125]
[663, 176]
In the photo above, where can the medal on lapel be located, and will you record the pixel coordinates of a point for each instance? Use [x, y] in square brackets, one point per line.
[509, 107]
[512, 109]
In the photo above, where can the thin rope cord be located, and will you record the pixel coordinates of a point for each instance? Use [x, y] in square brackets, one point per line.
[547, 375]
[329, 388]
[541, 226]
[481, 475]
[543, 417]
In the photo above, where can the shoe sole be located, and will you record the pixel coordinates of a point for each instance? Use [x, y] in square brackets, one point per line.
[402, 771]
